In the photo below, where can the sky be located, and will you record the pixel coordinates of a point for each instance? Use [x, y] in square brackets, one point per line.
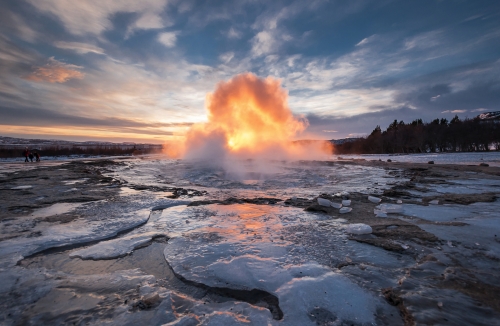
[140, 70]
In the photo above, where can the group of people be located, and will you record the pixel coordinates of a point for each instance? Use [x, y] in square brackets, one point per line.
[31, 155]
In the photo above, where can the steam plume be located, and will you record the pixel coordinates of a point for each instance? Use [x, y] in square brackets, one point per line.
[248, 117]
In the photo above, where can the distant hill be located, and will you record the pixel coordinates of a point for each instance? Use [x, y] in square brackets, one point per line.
[495, 115]
[11, 142]
[343, 140]
[11, 147]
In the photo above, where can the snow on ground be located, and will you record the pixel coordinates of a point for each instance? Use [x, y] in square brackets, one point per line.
[473, 158]
[304, 259]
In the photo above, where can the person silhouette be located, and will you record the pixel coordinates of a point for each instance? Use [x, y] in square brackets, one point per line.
[31, 156]
[26, 154]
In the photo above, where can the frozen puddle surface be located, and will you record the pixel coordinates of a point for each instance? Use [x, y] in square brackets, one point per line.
[56, 209]
[243, 247]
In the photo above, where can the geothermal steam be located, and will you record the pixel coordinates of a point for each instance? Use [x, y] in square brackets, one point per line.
[248, 117]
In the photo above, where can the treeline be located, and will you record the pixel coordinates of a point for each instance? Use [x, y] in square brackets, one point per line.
[67, 151]
[439, 135]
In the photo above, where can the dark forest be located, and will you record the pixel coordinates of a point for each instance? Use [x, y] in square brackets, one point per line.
[439, 135]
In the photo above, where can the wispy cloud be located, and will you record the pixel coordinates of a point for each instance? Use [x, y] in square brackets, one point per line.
[168, 39]
[226, 57]
[454, 111]
[264, 42]
[234, 34]
[79, 47]
[55, 72]
[93, 16]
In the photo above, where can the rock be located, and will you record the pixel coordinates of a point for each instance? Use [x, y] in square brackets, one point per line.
[151, 299]
[147, 301]
[389, 160]
[430, 162]
[324, 202]
[359, 228]
[390, 208]
[344, 210]
[484, 164]
[346, 202]
[374, 199]
[336, 205]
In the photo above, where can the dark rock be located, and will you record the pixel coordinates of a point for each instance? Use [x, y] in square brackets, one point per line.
[484, 164]
[431, 162]
[147, 301]
[395, 300]
[389, 160]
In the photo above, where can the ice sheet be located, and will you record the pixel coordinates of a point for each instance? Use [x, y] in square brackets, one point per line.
[59, 235]
[114, 248]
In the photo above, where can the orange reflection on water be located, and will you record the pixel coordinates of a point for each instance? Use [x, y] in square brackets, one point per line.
[246, 221]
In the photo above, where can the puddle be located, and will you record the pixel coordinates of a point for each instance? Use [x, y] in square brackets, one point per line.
[72, 182]
[148, 259]
[21, 187]
[56, 209]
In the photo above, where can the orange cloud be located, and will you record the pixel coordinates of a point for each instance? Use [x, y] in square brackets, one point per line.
[55, 72]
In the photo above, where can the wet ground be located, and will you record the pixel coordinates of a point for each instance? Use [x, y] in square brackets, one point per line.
[153, 241]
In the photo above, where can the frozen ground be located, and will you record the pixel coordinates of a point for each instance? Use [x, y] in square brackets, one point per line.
[56, 158]
[156, 241]
[474, 158]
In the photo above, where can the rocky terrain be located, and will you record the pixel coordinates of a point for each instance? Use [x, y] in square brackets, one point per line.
[161, 241]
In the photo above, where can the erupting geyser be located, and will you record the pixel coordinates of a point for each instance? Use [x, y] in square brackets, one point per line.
[248, 117]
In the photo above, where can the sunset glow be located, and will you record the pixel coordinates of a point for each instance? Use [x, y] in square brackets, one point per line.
[141, 71]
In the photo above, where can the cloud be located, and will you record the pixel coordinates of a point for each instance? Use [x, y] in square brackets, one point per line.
[367, 40]
[78, 47]
[168, 39]
[363, 41]
[226, 57]
[454, 111]
[271, 35]
[425, 40]
[263, 43]
[93, 16]
[233, 34]
[45, 117]
[11, 53]
[55, 72]
[149, 20]
[15, 24]
[388, 74]
[479, 110]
